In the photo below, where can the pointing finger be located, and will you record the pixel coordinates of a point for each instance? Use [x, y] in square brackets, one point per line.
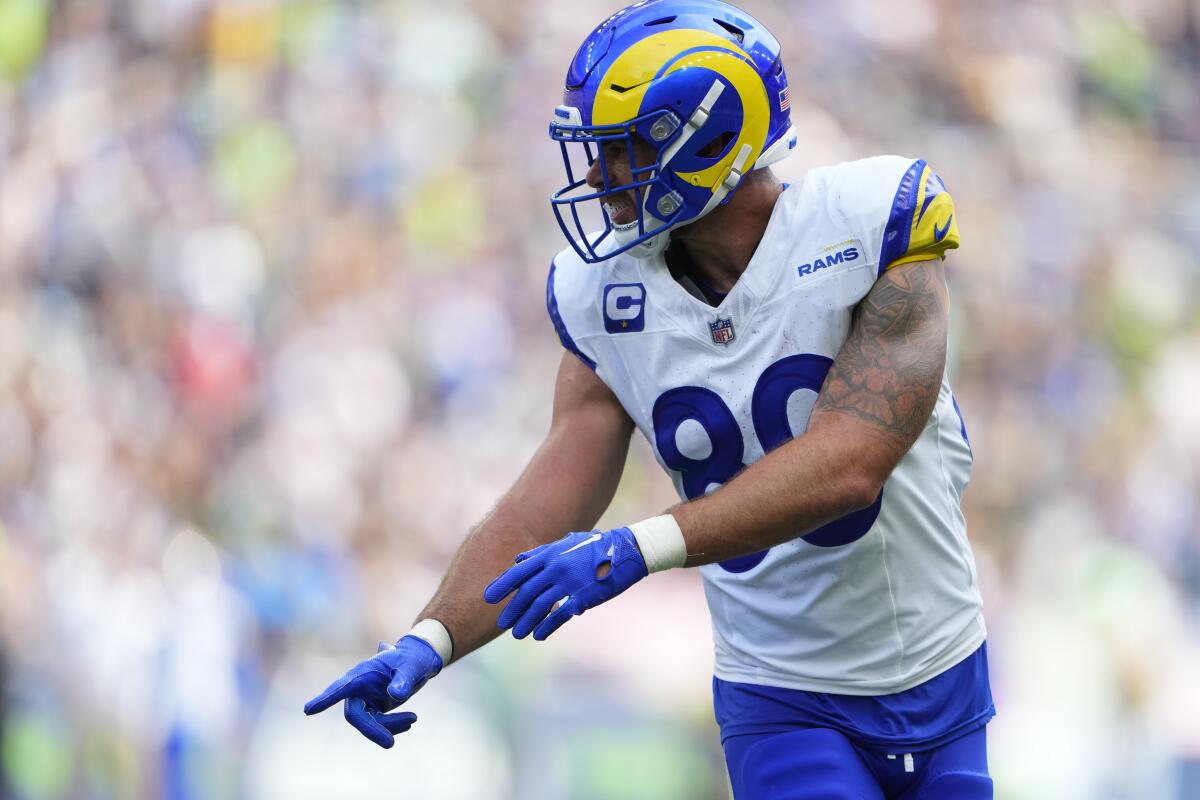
[333, 693]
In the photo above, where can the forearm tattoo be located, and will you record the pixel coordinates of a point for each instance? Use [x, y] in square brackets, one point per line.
[889, 370]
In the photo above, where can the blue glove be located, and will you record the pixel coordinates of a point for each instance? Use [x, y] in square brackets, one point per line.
[379, 684]
[565, 570]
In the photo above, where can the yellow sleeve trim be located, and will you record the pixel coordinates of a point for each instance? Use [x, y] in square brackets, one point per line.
[935, 230]
[914, 259]
[923, 224]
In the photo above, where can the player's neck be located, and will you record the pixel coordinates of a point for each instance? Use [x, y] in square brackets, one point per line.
[720, 245]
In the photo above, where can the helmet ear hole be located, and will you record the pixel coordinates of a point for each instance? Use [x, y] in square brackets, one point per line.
[717, 148]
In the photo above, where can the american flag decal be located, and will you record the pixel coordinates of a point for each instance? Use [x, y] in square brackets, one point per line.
[785, 99]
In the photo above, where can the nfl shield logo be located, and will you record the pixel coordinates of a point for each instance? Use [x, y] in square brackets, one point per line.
[722, 330]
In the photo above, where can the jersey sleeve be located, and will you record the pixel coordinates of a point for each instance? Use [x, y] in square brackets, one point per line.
[921, 225]
[562, 315]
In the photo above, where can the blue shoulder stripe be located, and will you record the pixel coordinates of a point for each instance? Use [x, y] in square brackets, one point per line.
[899, 225]
[559, 326]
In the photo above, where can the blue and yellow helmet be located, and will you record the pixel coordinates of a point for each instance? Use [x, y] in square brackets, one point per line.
[682, 75]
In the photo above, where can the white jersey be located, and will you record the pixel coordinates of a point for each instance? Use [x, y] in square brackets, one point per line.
[879, 601]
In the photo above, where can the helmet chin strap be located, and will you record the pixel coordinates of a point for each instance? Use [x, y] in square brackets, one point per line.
[647, 249]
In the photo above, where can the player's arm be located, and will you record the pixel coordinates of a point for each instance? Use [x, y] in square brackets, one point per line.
[875, 402]
[566, 486]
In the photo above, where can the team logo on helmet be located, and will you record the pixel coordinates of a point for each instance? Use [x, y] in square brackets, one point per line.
[698, 82]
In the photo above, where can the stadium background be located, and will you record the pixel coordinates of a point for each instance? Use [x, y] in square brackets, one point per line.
[272, 337]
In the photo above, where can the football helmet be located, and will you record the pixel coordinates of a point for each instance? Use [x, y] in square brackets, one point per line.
[681, 75]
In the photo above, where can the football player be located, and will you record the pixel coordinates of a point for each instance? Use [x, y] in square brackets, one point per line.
[783, 349]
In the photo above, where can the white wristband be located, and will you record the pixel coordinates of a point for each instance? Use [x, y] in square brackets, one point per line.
[661, 543]
[436, 636]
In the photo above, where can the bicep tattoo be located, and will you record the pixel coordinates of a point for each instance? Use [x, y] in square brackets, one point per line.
[889, 371]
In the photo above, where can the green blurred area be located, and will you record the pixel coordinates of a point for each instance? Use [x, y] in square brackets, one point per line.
[23, 26]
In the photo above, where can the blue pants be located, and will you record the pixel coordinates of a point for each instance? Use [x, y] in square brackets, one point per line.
[823, 764]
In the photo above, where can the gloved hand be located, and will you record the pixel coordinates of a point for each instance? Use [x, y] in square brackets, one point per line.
[379, 684]
[570, 570]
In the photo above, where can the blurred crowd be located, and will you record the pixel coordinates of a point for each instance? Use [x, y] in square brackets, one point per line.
[272, 337]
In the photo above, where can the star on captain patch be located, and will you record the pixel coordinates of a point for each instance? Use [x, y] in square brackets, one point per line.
[721, 330]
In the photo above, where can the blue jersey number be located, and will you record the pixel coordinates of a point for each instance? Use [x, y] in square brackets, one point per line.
[769, 411]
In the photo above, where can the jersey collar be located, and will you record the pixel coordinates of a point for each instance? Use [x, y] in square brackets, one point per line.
[694, 316]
